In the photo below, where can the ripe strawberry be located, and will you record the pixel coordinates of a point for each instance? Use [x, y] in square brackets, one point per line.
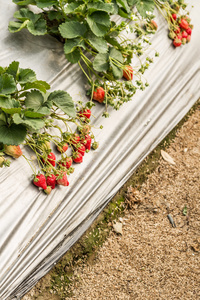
[51, 181]
[48, 190]
[188, 38]
[174, 16]
[62, 147]
[67, 162]
[99, 94]
[40, 181]
[84, 129]
[177, 42]
[184, 35]
[62, 180]
[85, 113]
[81, 150]
[189, 31]
[153, 25]
[184, 24]
[178, 30]
[75, 139]
[87, 142]
[78, 158]
[14, 151]
[128, 72]
[51, 158]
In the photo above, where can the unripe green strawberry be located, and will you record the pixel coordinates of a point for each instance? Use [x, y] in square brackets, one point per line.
[14, 151]
[95, 145]
[48, 190]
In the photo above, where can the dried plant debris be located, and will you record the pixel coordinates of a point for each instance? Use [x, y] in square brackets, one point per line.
[132, 197]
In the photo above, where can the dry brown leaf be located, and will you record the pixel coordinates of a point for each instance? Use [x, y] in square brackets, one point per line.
[117, 227]
[167, 157]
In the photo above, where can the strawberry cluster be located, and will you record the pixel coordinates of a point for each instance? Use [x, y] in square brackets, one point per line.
[181, 30]
[56, 171]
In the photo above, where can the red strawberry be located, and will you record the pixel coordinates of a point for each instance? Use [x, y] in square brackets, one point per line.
[75, 139]
[184, 24]
[51, 181]
[178, 30]
[62, 180]
[67, 163]
[62, 147]
[85, 113]
[99, 94]
[153, 25]
[174, 16]
[81, 150]
[14, 151]
[78, 158]
[177, 42]
[48, 190]
[188, 38]
[189, 31]
[87, 142]
[128, 72]
[184, 35]
[40, 181]
[51, 158]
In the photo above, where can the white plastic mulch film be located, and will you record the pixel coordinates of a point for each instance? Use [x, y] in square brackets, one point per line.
[35, 229]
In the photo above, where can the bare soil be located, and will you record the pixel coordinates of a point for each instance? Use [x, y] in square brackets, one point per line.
[151, 259]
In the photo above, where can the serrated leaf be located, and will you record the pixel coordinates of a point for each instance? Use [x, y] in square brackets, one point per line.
[117, 72]
[124, 4]
[11, 111]
[37, 28]
[145, 6]
[30, 123]
[17, 26]
[115, 54]
[100, 6]
[71, 7]
[34, 100]
[26, 76]
[8, 103]
[25, 14]
[32, 114]
[44, 110]
[13, 69]
[167, 157]
[71, 44]
[99, 23]
[72, 29]
[101, 63]
[63, 101]
[98, 43]
[43, 86]
[12, 135]
[74, 56]
[7, 84]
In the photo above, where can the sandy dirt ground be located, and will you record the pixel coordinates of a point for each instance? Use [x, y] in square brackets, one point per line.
[153, 258]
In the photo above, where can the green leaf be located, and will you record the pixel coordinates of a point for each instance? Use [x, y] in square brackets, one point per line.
[145, 6]
[11, 111]
[32, 114]
[12, 135]
[100, 6]
[37, 28]
[24, 2]
[74, 56]
[124, 4]
[46, 3]
[7, 84]
[99, 23]
[8, 103]
[25, 14]
[17, 26]
[71, 7]
[123, 14]
[72, 29]
[64, 101]
[71, 44]
[30, 123]
[98, 43]
[117, 72]
[34, 100]
[13, 69]
[26, 76]
[112, 41]
[43, 86]
[101, 63]
[115, 54]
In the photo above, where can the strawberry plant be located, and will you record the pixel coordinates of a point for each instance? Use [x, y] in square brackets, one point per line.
[28, 113]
